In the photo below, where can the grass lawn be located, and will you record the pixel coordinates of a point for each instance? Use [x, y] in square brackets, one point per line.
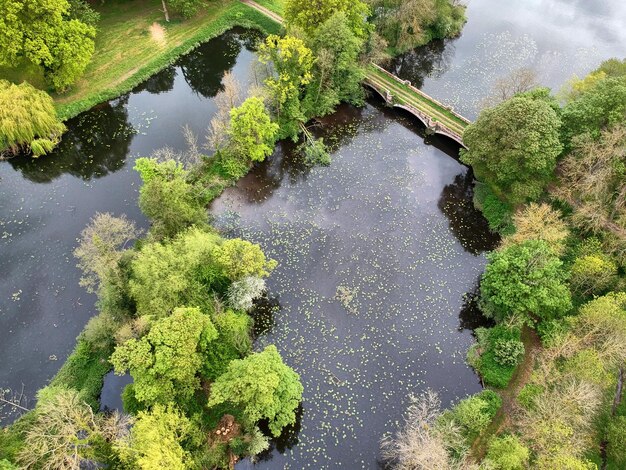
[134, 42]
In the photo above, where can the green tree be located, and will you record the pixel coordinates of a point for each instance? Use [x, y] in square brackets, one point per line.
[292, 64]
[513, 147]
[168, 199]
[240, 258]
[526, 280]
[156, 439]
[165, 362]
[263, 386]
[338, 73]
[251, 131]
[598, 107]
[308, 16]
[39, 32]
[28, 120]
[181, 272]
[507, 453]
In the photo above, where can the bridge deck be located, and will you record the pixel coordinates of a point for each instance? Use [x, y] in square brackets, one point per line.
[408, 95]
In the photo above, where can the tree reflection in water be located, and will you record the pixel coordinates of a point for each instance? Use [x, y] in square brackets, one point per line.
[96, 144]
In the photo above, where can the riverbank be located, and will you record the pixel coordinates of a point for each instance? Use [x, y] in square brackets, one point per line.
[134, 42]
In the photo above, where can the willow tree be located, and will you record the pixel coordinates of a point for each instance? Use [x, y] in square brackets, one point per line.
[28, 121]
[39, 32]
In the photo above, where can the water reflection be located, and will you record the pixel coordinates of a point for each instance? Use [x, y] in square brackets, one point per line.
[218, 56]
[466, 222]
[97, 143]
[160, 82]
[431, 60]
[470, 315]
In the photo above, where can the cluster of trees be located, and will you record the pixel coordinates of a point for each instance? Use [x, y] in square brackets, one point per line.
[406, 24]
[553, 184]
[174, 315]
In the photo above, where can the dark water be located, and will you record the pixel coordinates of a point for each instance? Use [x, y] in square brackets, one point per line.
[45, 203]
[389, 223]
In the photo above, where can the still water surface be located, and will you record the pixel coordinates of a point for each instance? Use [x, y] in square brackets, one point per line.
[389, 222]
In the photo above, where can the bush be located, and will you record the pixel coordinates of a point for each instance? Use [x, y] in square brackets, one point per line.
[496, 370]
[474, 414]
[527, 395]
[498, 213]
[508, 352]
[552, 332]
[507, 453]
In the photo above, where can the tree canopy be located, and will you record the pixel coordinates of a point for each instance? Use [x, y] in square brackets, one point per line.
[308, 16]
[263, 386]
[526, 280]
[28, 120]
[251, 131]
[514, 146]
[165, 362]
[40, 32]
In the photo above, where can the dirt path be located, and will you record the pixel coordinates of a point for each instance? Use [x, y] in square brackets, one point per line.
[269, 13]
[520, 378]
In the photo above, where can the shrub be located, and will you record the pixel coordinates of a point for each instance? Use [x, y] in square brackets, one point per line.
[496, 354]
[508, 352]
[242, 293]
[507, 453]
[527, 395]
[28, 121]
[474, 414]
[497, 213]
[552, 332]
[593, 275]
[616, 437]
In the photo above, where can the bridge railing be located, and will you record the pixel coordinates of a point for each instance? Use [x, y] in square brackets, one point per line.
[421, 93]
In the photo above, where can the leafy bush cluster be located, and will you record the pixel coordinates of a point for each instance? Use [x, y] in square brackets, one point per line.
[496, 353]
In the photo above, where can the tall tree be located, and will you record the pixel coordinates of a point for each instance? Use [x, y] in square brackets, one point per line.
[40, 32]
[291, 62]
[309, 15]
[165, 363]
[263, 386]
[252, 133]
[527, 281]
[514, 146]
[338, 73]
[28, 121]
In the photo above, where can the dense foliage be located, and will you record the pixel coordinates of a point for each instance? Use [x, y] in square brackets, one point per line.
[406, 24]
[514, 146]
[39, 32]
[28, 121]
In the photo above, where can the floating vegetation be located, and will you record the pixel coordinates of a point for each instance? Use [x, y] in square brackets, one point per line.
[364, 236]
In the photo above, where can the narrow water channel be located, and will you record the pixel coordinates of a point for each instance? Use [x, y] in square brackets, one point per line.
[375, 252]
